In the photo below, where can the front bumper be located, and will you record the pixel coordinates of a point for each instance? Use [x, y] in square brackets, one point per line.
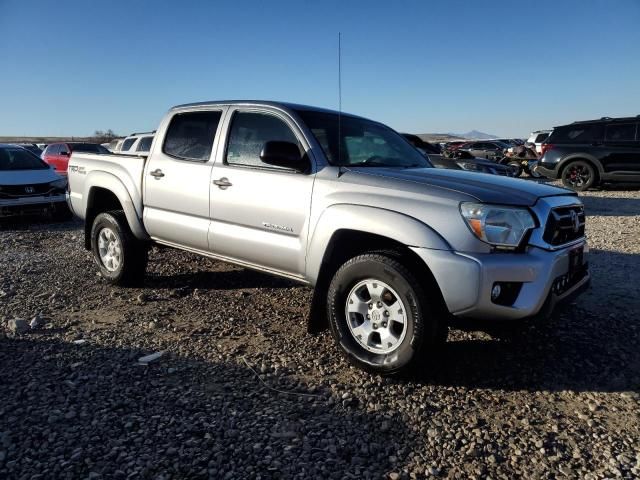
[30, 205]
[466, 280]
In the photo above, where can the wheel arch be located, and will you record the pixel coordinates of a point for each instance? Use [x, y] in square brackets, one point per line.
[343, 236]
[105, 192]
[583, 157]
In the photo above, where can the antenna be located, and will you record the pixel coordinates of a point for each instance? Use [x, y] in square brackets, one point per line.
[339, 103]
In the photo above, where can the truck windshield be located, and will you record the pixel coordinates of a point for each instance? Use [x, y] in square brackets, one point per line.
[361, 142]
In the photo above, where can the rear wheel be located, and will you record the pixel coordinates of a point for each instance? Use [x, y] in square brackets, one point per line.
[380, 317]
[579, 175]
[121, 257]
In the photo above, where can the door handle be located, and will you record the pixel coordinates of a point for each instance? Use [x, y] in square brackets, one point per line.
[157, 173]
[222, 183]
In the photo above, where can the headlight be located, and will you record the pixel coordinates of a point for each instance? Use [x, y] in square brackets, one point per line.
[498, 225]
[61, 184]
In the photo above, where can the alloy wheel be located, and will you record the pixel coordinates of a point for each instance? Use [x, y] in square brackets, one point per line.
[376, 316]
[109, 249]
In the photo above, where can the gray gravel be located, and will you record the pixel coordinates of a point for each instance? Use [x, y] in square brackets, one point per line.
[241, 391]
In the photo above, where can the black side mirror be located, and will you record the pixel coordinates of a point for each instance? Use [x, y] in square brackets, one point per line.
[283, 154]
[64, 154]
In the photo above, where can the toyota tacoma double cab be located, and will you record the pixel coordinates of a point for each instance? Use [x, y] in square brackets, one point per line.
[393, 248]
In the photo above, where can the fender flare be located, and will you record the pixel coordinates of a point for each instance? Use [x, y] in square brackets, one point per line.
[374, 220]
[108, 181]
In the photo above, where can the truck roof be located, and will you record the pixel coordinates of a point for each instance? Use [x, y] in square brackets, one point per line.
[266, 103]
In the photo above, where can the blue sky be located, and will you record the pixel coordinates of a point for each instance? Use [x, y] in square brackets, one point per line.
[504, 67]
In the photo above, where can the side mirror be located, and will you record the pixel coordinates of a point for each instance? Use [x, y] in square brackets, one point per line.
[283, 154]
[64, 154]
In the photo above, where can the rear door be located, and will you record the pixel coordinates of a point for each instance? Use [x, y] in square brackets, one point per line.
[622, 148]
[177, 178]
[259, 212]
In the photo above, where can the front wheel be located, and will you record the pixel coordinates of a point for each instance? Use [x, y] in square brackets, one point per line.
[380, 317]
[516, 168]
[579, 175]
[121, 257]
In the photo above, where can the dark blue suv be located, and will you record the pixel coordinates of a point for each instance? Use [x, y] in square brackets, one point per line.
[585, 154]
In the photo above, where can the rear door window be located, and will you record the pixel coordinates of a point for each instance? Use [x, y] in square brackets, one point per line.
[621, 132]
[126, 145]
[541, 137]
[190, 135]
[53, 149]
[577, 134]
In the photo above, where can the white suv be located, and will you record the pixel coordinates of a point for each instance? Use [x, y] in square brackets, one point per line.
[537, 138]
[137, 143]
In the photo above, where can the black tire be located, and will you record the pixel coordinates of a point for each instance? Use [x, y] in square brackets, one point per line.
[426, 328]
[579, 175]
[516, 167]
[133, 254]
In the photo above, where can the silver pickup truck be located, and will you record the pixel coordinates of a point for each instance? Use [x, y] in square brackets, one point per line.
[393, 248]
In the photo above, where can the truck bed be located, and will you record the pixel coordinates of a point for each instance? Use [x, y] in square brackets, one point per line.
[125, 170]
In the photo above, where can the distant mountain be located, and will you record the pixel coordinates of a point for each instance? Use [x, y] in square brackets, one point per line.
[452, 137]
[475, 135]
[439, 137]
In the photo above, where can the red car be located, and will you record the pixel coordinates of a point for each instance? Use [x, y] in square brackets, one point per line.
[57, 154]
[451, 146]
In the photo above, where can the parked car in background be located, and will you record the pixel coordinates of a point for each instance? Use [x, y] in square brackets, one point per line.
[588, 153]
[488, 149]
[28, 185]
[392, 247]
[32, 147]
[451, 146]
[132, 144]
[143, 145]
[421, 144]
[115, 145]
[537, 138]
[57, 154]
[458, 160]
[510, 142]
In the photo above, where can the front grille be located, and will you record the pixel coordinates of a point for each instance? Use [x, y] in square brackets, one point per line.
[564, 225]
[28, 190]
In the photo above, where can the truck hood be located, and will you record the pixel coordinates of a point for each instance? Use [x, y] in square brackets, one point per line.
[24, 177]
[483, 187]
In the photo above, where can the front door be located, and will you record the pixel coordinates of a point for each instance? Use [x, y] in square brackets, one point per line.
[177, 179]
[259, 212]
[62, 162]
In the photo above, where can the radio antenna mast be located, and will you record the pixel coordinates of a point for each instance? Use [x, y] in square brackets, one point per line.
[339, 103]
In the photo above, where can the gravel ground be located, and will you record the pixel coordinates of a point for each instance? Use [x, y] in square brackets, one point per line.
[242, 391]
